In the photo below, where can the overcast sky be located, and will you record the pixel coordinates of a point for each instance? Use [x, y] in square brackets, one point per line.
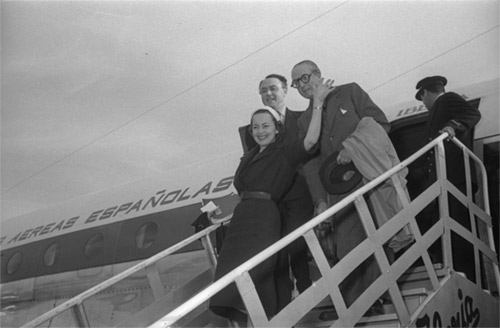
[98, 94]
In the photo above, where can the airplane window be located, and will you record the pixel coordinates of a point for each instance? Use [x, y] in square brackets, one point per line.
[51, 254]
[94, 245]
[14, 263]
[146, 235]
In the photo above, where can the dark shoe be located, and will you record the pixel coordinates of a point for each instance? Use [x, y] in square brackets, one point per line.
[376, 309]
[328, 315]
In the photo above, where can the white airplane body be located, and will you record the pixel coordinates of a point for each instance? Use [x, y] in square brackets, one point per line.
[51, 255]
[54, 254]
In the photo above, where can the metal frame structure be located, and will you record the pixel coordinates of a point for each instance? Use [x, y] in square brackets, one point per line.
[331, 277]
[76, 304]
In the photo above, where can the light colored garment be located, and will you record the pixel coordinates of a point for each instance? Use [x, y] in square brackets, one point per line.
[344, 107]
[373, 154]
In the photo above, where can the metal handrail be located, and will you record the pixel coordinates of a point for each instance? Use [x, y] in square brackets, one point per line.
[204, 295]
[243, 269]
[80, 298]
[486, 204]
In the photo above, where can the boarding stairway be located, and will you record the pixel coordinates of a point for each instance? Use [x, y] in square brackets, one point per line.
[426, 295]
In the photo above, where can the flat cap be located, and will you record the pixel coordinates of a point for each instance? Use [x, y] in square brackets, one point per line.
[428, 81]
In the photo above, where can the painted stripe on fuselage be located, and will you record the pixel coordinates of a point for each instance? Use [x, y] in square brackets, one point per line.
[98, 209]
[119, 244]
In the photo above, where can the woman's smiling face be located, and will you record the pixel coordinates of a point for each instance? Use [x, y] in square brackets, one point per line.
[264, 129]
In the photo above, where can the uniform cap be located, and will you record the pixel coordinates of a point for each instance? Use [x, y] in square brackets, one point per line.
[428, 81]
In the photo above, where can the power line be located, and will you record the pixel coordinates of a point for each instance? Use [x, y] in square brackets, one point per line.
[174, 97]
[429, 60]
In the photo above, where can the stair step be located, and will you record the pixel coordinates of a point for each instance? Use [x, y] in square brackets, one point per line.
[406, 293]
[412, 297]
[418, 277]
[383, 320]
[420, 273]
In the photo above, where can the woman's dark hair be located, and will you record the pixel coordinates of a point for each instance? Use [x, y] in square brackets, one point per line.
[277, 124]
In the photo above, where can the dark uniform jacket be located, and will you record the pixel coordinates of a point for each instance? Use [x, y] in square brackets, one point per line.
[450, 109]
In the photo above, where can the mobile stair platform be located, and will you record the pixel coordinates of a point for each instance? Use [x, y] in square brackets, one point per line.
[417, 292]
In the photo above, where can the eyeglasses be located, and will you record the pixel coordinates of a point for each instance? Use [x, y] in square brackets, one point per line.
[304, 79]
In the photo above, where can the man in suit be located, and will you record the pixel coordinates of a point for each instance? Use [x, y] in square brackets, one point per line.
[343, 108]
[296, 207]
[450, 113]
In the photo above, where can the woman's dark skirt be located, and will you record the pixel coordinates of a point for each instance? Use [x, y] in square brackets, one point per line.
[255, 226]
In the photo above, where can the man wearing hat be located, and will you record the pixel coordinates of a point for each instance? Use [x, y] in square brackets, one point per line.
[343, 109]
[450, 113]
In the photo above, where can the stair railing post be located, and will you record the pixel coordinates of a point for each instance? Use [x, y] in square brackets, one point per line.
[485, 231]
[383, 261]
[80, 316]
[154, 281]
[251, 299]
[444, 213]
[210, 250]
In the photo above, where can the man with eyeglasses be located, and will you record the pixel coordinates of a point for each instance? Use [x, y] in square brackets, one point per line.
[296, 207]
[343, 108]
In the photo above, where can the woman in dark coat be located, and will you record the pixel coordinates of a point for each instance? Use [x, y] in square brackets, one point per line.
[264, 175]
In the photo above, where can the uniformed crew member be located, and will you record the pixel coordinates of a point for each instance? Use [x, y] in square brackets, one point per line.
[451, 113]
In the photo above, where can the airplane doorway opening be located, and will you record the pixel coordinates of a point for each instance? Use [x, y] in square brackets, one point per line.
[491, 161]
